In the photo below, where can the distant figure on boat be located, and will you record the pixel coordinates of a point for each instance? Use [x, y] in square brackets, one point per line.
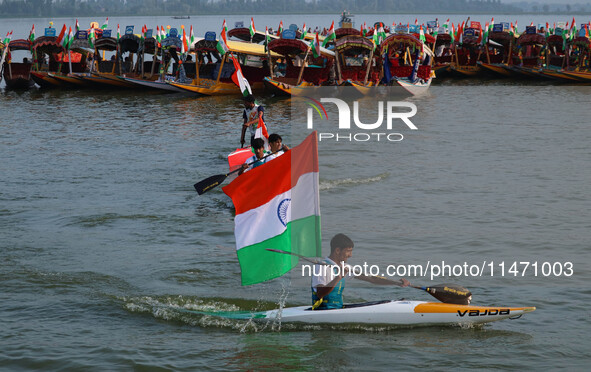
[251, 114]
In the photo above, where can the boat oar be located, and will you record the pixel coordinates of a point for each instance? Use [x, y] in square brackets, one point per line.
[446, 293]
[214, 181]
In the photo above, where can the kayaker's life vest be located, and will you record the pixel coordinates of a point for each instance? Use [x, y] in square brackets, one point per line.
[333, 300]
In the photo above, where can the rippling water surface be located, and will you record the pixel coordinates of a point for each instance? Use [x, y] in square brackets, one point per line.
[103, 241]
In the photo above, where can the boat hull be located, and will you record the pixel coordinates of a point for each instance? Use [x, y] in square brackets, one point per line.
[286, 89]
[414, 88]
[43, 79]
[497, 68]
[154, 84]
[402, 313]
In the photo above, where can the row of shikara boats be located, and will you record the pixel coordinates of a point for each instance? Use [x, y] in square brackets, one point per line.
[288, 64]
[282, 64]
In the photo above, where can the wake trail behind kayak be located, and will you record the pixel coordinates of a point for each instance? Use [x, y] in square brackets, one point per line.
[331, 184]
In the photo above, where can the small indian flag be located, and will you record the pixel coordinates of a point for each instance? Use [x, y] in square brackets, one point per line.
[304, 32]
[77, 25]
[222, 45]
[331, 35]
[32, 34]
[280, 29]
[267, 38]
[284, 214]
[191, 37]
[106, 24]
[184, 44]
[118, 32]
[8, 38]
[239, 79]
[251, 29]
[422, 35]
[315, 45]
[91, 37]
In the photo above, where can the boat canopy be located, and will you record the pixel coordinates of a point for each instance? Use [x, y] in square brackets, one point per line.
[106, 43]
[80, 44]
[401, 39]
[347, 31]
[580, 41]
[531, 39]
[243, 33]
[292, 47]
[354, 44]
[428, 38]
[502, 37]
[19, 44]
[47, 44]
[129, 43]
[171, 42]
[555, 40]
[242, 47]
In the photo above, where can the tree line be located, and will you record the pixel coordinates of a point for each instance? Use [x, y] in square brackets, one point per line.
[87, 8]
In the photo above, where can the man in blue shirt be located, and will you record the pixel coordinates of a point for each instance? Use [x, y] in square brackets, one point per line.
[328, 285]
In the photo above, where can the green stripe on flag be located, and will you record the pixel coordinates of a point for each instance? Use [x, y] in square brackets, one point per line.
[301, 236]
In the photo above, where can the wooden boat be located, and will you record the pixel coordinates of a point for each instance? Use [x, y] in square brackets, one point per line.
[298, 67]
[45, 48]
[17, 75]
[215, 77]
[527, 53]
[443, 53]
[468, 52]
[405, 68]
[128, 43]
[99, 69]
[498, 50]
[575, 66]
[74, 62]
[154, 74]
[356, 64]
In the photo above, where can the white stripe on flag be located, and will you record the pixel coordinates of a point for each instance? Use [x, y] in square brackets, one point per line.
[262, 223]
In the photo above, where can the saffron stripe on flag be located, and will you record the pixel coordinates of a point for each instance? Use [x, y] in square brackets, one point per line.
[305, 160]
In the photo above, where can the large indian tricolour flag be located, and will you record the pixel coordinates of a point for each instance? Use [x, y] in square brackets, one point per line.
[277, 207]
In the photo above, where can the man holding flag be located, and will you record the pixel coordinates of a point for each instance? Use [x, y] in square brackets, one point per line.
[254, 117]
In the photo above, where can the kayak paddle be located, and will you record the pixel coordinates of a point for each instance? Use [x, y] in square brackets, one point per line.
[214, 181]
[446, 293]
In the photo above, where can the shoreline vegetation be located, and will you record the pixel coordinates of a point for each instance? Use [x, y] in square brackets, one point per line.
[90, 8]
[86, 8]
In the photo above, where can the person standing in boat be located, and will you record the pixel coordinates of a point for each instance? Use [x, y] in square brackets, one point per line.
[328, 281]
[251, 115]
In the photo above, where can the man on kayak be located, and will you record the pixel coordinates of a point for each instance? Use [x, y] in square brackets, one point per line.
[251, 115]
[258, 145]
[328, 286]
[277, 146]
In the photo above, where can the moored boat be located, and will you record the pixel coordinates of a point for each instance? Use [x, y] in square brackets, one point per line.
[468, 51]
[45, 48]
[298, 68]
[498, 49]
[527, 53]
[17, 75]
[406, 63]
[356, 63]
[214, 72]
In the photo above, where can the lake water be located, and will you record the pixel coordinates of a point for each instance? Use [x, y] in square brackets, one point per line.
[103, 238]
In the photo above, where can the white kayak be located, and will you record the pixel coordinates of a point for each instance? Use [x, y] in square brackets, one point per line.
[397, 313]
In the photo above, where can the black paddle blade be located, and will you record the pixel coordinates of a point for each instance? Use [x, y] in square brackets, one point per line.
[450, 293]
[209, 183]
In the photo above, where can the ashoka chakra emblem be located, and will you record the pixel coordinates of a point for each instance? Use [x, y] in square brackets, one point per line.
[283, 211]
